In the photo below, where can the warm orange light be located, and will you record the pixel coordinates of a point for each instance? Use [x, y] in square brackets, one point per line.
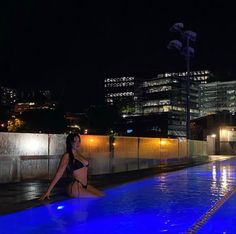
[162, 142]
[91, 140]
[224, 134]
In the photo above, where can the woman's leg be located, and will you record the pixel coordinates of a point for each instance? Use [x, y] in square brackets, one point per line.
[92, 190]
[73, 189]
[76, 189]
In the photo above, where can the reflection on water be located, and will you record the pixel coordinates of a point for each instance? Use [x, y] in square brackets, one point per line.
[161, 183]
[222, 178]
[214, 187]
[214, 173]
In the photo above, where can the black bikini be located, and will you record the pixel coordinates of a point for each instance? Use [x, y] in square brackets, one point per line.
[83, 186]
[75, 165]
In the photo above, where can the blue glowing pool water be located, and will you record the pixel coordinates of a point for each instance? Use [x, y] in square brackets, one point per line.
[166, 203]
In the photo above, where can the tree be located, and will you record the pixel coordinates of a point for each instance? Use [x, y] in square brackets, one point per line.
[14, 124]
[4, 117]
[45, 121]
[102, 119]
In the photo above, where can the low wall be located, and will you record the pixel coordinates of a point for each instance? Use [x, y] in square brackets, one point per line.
[36, 156]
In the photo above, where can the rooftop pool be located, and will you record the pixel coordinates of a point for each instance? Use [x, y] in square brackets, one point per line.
[199, 199]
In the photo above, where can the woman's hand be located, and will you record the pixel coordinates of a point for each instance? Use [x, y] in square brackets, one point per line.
[45, 195]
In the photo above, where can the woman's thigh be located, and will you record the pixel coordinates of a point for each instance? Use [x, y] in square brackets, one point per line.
[73, 189]
[94, 191]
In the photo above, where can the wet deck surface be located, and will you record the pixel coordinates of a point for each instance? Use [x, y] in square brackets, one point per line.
[22, 195]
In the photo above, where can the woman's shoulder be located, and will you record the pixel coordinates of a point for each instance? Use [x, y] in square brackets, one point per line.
[65, 155]
[64, 159]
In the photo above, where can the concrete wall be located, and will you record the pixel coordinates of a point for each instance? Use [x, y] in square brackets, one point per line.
[36, 156]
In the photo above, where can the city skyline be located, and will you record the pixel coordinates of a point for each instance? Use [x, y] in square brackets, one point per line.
[57, 45]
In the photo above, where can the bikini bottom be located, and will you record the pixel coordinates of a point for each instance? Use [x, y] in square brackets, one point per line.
[83, 186]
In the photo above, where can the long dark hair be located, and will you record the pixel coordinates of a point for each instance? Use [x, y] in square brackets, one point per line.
[70, 139]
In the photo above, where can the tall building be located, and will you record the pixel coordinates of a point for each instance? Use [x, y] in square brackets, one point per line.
[34, 95]
[8, 96]
[19, 100]
[167, 94]
[151, 99]
[120, 91]
[216, 97]
[34, 99]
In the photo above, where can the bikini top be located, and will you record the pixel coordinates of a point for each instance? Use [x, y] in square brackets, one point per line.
[75, 164]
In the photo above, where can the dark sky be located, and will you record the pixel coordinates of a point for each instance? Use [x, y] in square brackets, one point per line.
[71, 46]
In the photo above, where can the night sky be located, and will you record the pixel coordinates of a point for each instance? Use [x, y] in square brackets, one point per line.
[55, 44]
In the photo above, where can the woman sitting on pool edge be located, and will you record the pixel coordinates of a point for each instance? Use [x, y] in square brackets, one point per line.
[77, 166]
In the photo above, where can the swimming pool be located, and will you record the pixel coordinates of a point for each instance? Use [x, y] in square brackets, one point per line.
[166, 203]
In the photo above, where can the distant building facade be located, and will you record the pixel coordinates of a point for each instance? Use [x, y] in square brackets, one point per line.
[120, 91]
[151, 99]
[8, 96]
[220, 127]
[216, 97]
[34, 95]
[20, 107]
[32, 99]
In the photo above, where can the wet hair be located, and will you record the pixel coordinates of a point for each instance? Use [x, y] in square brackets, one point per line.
[70, 139]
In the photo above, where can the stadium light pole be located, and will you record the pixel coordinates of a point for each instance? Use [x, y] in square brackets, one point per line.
[188, 53]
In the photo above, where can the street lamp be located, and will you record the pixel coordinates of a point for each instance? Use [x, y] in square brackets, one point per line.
[187, 52]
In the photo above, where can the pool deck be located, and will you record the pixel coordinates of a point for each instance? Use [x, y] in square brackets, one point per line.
[24, 195]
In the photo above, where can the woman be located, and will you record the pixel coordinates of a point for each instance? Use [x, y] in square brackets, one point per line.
[77, 166]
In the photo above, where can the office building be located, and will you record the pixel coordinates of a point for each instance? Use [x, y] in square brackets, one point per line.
[217, 97]
[151, 99]
[120, 91]
[8, 96]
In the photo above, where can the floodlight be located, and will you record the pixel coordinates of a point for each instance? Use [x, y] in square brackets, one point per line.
[188, 51]
[190, 35]
[175, 44]
[177, 27]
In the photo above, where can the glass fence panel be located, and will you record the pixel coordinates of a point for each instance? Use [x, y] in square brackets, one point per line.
[9, 169]
[197, 148]
[30, 155]
[183, 149]
[57, 147]
[57, 144]
[97, 150]
[149, 152]
[204, 148]
[172, 149]
[34, 167]
[125, 154]
[23, 144]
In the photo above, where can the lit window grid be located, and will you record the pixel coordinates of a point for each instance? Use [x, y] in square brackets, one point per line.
[123, 84]
[123, 94]
[119, 79]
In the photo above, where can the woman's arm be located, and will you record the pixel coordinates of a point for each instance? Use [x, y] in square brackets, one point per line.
[60, 170]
